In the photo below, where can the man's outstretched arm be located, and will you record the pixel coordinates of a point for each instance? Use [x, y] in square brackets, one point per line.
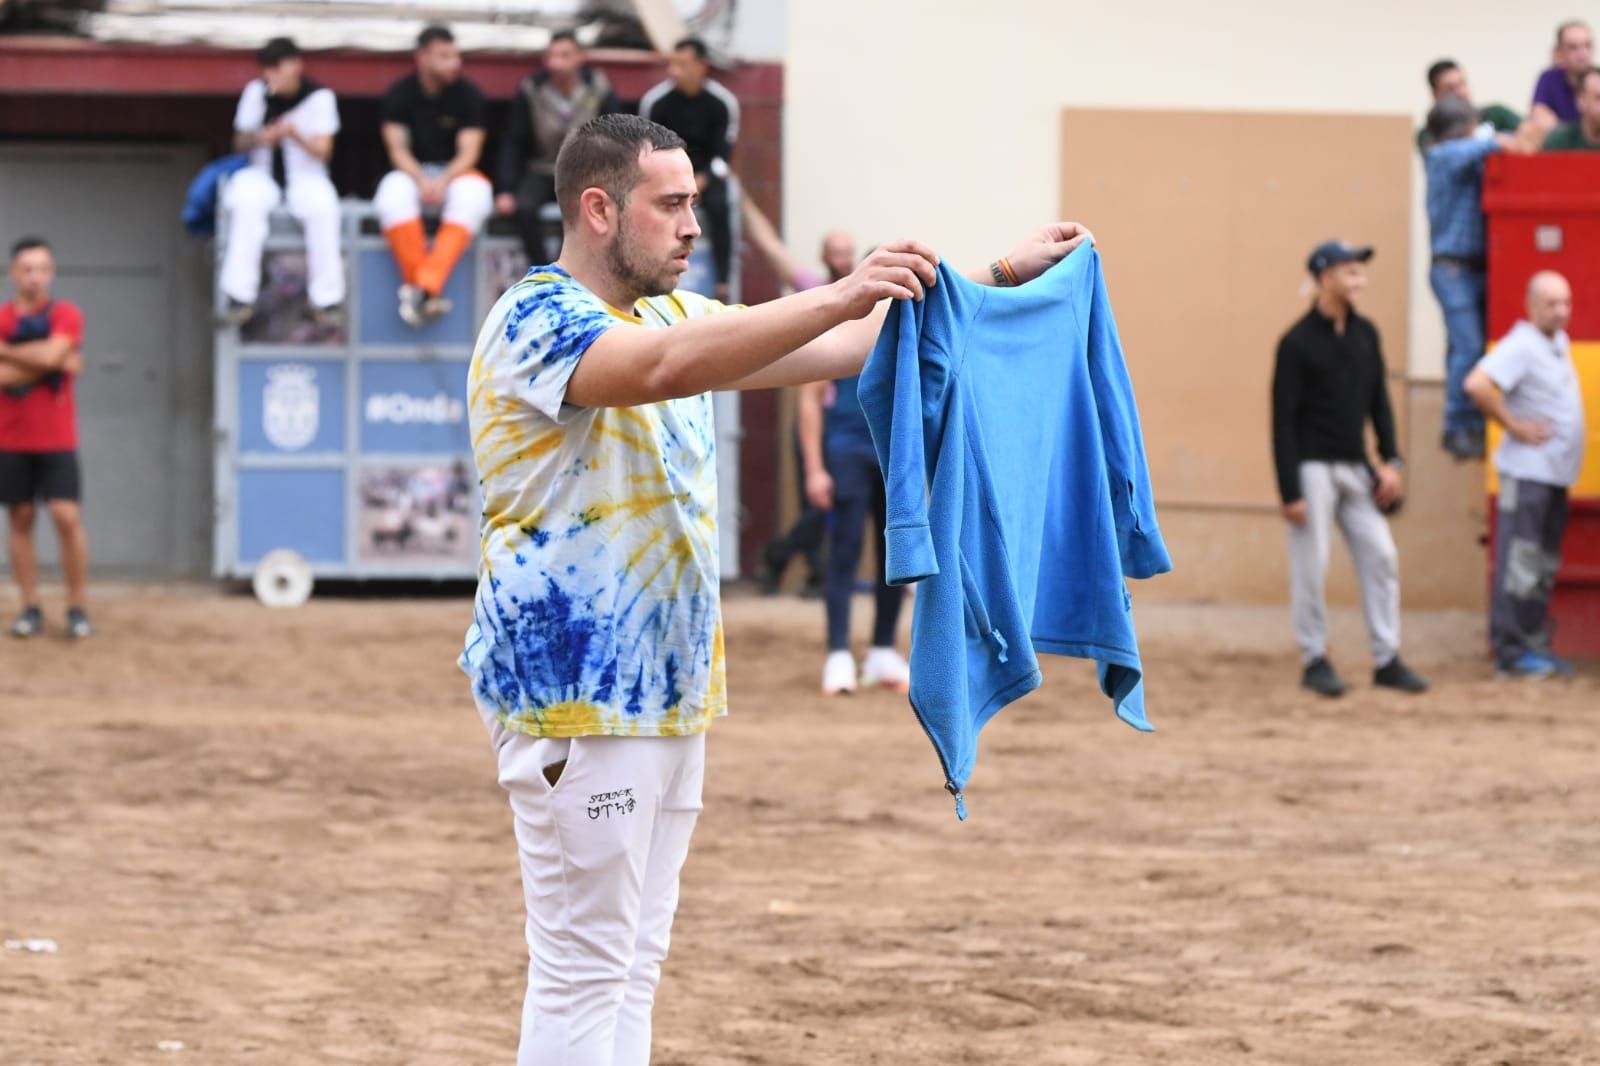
[627, 366]
[842, 351]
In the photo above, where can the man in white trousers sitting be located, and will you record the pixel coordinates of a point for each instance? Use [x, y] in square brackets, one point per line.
[286, 122]
[433, 129]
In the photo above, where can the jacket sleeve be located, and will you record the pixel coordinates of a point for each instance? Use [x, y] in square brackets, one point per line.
[514, 150]
[1139, 542]
[1286, 388]
[1382, 411]
[891, 396]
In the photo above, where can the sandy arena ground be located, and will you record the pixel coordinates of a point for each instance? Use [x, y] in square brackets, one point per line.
[276, 837]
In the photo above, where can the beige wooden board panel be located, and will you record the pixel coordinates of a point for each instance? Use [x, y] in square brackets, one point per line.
[1204, 221]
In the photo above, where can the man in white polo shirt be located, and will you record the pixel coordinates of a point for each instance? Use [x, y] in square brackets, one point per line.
[1529, 385]
[286, 122]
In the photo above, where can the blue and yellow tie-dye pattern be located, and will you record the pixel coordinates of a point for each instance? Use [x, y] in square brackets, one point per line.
[598, 607]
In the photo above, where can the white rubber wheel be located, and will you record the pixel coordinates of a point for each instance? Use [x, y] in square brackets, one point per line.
[282, 579]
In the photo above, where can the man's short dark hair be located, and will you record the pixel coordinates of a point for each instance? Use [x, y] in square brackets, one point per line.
[1439, 70]
[276, 51]
[1570, 24]
[1451, 117]
[28, 244]
[564, 35]
[695, 45]
[603, 153]
[436, 32]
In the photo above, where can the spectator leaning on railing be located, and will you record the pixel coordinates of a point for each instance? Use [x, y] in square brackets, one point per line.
[1582, 135]
[1555, 97]
[1454, 167]
[1446, 78]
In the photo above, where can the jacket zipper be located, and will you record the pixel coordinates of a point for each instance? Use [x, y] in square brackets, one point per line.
[949, 783]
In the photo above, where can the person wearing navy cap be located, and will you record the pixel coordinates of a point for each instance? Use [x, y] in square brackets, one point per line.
[1329, 380]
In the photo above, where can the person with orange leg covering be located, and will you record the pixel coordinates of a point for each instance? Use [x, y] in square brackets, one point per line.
[433, 129]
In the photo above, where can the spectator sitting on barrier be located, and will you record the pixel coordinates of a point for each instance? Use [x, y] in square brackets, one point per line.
[1454, 167]
[286, 122]
[41, 356]
[1446, 78]
[1529, 385]
[548, 104]
[1329, 381]
[1555, 97]
[433, 129]
[1584, 134]
[705, 114]
[805, 537]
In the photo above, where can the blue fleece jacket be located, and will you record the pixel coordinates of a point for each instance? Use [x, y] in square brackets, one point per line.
[1018, 494]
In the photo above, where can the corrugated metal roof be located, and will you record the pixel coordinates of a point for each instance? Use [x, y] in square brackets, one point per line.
[376, 25]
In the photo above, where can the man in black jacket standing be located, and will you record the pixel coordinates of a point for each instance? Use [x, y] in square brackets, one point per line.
[549, 104]
[1328, 381]
[705, 114]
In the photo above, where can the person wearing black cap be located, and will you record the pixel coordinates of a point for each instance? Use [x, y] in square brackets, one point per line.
[1329, 380]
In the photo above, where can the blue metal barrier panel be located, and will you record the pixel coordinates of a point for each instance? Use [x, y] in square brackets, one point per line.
[410, 407]
[291, 406]
[380, 322]
[302, 509]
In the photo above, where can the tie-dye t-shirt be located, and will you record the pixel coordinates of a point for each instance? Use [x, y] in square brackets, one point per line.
[598, 609]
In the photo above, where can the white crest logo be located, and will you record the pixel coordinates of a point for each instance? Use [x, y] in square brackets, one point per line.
[290, 406]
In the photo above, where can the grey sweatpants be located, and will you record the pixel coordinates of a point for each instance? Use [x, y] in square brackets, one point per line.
[1341, 493]
[1527, 552]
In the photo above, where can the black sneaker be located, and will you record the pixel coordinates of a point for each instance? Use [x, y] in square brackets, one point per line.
[773, 564]
[78, 626]
[1321, 678]
[235, 313]
[330, 317]
[1464, 444]
[1397, 675]
[30, 623]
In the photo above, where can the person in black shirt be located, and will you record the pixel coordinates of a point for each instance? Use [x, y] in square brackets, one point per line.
[706, 115]
[433, 127]
[549, 104]
[1329, 381]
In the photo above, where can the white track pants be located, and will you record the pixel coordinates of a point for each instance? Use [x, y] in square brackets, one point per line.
[601, 849]
[1341, 494]
[250, 196]
[468, 200]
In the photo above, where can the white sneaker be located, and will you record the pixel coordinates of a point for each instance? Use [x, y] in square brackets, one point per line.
[412, 306]
[885, 668]
[839, 674]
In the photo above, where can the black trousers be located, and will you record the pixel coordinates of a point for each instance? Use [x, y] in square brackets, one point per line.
[719, 222]
[534, 191]
[1527, 552]
[858, 495]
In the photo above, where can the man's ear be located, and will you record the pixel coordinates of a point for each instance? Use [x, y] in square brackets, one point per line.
[597, 210]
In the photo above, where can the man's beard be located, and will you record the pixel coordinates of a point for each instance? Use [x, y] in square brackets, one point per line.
[633, 268]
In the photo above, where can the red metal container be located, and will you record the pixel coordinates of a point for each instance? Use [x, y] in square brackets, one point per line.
[1544, 214]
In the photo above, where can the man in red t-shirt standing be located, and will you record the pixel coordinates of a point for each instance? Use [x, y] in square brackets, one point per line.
[40, 357]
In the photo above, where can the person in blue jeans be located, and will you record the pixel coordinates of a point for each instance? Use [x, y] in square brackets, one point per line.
[843, 478]
[1454, 168]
